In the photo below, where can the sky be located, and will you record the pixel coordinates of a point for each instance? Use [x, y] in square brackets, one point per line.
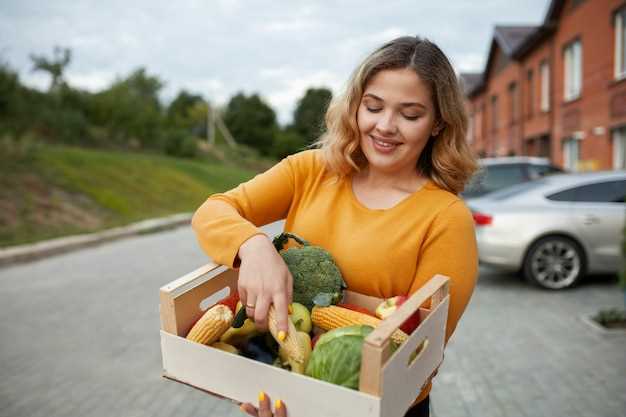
[218, 48]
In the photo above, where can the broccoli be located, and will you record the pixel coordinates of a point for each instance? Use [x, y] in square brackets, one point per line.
[316, 278]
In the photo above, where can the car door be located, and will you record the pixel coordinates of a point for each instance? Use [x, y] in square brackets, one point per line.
[598, 210]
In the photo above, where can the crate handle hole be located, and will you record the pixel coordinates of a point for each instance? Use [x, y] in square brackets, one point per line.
[214, 298]
[418, 352]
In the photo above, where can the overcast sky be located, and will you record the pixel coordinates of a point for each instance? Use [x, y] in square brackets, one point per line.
[218, 48]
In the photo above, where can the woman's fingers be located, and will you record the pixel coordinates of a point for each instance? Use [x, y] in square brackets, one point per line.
[260, 313]
[282, 313]
[279, 409]
[265, 410]
[249, 409]
[265, 407]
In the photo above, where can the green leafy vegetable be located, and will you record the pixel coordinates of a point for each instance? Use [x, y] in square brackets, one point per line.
[337, 356]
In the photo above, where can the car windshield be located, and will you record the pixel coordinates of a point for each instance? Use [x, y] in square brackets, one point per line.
[516, 189]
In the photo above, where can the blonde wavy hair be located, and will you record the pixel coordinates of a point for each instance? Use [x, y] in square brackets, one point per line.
[446, 159]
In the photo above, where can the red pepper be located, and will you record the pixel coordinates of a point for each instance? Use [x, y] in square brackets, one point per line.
[387, 307]
[230, 302]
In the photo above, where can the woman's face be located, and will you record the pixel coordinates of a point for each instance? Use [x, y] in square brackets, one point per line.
[396, 118]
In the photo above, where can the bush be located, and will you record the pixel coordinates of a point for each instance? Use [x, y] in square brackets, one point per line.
[180, 143]
[288, 142]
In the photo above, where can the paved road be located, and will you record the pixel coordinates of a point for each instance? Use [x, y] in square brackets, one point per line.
[79, 336]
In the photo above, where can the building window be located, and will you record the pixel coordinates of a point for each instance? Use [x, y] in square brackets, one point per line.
[571, 154]
[619, 148]
[544, 70]
[531, 95]
[572, 61]
[620, 44]
[513, 102]
[494, 112]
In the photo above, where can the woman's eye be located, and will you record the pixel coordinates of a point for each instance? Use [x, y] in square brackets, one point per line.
[411, 117]
[373, 109]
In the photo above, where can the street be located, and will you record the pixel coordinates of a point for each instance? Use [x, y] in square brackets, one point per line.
[80, 336]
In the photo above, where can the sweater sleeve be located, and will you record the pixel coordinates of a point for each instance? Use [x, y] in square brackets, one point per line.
[450, 249]
[222, 228]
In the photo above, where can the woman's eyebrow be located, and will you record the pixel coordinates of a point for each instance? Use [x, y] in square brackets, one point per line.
[375, 97]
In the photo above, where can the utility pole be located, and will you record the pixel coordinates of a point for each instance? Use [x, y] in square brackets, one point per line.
[214, 121]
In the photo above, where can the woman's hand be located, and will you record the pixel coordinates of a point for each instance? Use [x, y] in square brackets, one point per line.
[264, 279]
[264, 409]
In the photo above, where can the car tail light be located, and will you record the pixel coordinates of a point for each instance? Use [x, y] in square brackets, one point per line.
[482, 219]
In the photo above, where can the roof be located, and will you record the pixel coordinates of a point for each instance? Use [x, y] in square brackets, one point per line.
[516, 41]
[511, 37]
[470, 80]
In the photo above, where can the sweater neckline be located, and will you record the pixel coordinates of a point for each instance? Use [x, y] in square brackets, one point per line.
[405, 200]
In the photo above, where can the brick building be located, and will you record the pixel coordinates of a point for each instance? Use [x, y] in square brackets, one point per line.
[556, 90]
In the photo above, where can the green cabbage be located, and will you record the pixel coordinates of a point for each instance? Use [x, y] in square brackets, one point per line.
[336, 357]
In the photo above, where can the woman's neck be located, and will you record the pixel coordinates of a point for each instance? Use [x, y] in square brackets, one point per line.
[410, 181]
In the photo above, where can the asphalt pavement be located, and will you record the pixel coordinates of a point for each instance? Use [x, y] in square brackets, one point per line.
[80, 337]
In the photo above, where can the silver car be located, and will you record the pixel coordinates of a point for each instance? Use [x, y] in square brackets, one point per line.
[555, 229]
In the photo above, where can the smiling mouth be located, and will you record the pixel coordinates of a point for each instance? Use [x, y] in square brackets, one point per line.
[384, 143]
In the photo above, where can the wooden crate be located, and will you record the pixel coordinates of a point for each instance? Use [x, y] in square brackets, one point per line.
[389, 383]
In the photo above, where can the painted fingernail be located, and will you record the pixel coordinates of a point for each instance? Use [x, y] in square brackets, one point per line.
[282, 335]
[290, 308]
[278, 404]
[242, 408]
[261, 396]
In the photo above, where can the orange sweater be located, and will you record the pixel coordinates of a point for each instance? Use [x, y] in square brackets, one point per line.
[380, 252]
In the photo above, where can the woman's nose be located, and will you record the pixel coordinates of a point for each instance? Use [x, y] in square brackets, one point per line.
[386, 124]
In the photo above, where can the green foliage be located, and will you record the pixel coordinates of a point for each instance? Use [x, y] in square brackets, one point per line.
[58, 190]
[180, 143]
[606, 317]
[130, 110]
[252, 122]
[308, 118]
[288, 142]
[55, 66]
[188, 111]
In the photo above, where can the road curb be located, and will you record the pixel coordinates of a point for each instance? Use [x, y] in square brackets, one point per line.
[25, 253]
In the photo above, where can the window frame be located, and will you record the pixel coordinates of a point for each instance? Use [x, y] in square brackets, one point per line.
[567, 163]
[619, 55]
[531, 93]
[619, 152]
[572, 70]
[513, 105]
[544, 73]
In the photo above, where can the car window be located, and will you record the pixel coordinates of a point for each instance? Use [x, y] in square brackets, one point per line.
[538, 171]
[500, 176]
[601, 192]
[517, 189]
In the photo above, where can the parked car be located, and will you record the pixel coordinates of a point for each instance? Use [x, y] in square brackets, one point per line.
[499, 173]
[556, 229]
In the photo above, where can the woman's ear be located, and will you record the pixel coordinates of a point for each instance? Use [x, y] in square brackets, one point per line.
[436, 128]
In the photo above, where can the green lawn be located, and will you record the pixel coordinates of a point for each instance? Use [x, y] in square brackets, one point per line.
[49, 191]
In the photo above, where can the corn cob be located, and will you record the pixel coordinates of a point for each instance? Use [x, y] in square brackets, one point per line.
[290, 342]
[332, 317]
[213, 323]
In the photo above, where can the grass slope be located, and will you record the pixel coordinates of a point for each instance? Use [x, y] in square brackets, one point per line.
[51, 191]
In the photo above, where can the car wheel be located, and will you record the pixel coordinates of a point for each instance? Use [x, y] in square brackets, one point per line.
[554, 262]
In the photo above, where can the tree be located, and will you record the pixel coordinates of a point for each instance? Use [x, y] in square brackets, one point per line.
[188, 111]
[130, 110]
[308, 118]
[251, 121]
[55, 66]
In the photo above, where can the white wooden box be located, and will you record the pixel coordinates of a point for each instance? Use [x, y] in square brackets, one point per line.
[389, 383]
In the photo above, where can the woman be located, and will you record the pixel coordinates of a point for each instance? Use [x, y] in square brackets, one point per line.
[379, 193]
